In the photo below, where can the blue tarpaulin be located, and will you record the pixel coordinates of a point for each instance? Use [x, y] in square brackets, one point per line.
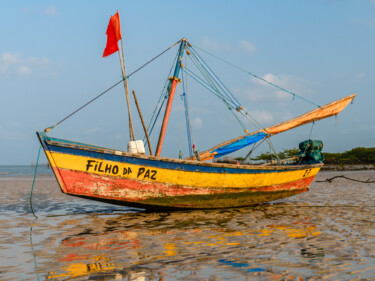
[238, 144]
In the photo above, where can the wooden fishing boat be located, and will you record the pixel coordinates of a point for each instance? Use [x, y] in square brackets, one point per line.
[155, 182]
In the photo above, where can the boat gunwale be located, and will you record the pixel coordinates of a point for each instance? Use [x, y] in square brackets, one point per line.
[110, 151]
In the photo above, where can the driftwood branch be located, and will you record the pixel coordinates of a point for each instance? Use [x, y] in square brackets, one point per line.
[342, 176]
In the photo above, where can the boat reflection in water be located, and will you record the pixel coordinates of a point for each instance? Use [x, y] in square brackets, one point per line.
[144, 246]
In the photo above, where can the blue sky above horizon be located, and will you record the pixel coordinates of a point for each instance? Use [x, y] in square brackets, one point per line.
[51, 63]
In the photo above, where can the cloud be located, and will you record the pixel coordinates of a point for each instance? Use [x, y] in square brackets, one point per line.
[13, 64]
[24, 70]
[266, 118]
[261, 91]
[50, 11]
[197, 123]
[262, 116]
[214, 45]
[247, 46]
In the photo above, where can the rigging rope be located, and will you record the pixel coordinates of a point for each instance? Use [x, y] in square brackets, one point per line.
[187, 116]
[32, 187]
[226, 91]
[208, 87]
[255, 146]
[110, 88]
[160, 102]
[218, 88]
[256, 76]
[212, 82]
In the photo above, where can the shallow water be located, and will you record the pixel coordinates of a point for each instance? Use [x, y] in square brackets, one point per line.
[327, 233]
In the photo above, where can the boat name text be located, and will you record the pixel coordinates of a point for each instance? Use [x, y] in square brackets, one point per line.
[100, 166]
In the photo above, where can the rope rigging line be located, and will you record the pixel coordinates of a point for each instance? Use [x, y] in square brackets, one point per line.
[32, 187]
[213, 80]
[256, 76]
[110, 88]
[207, 86]
[251, 119]
[157, 115]
[227, 97]
[216, 93]
[187, 115]
[255, 146]
[226, 91]
[229, 103]
[164, 94]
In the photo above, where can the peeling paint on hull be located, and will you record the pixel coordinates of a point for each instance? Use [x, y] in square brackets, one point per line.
[154, 182]
[174, 196]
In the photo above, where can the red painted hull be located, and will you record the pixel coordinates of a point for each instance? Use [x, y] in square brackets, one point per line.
[153, 194]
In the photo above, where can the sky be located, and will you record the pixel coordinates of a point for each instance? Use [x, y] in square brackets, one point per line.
[51, 64]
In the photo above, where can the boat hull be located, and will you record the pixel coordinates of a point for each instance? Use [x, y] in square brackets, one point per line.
[159, 183]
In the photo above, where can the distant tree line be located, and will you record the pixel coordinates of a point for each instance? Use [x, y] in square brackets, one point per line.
[358, 155]
[285, 154]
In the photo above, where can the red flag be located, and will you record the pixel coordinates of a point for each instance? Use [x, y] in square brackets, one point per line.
[113, 35]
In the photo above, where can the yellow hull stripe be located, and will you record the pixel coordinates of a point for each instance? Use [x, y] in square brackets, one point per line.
[176, 177]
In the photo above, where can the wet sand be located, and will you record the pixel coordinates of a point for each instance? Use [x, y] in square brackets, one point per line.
[327, 233]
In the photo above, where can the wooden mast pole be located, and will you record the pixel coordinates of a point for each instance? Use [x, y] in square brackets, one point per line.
[125, 80]
[174, 80]
[143, 123]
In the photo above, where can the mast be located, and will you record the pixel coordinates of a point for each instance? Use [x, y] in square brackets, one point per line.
[125, 81]
[174, 80]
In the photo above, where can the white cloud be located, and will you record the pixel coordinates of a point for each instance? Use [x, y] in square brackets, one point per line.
[247, 46]
[50, 11]
[13, 64]
[197, 123]
[262, 116]
[266, 118]
[214, 45]
[261, 91]
[24, 70]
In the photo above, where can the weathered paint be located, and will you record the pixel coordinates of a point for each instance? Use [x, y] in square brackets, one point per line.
[159, 194]
[100, 173]
[224, 179]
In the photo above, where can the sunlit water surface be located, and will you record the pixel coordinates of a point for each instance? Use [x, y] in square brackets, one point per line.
[327, 233]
